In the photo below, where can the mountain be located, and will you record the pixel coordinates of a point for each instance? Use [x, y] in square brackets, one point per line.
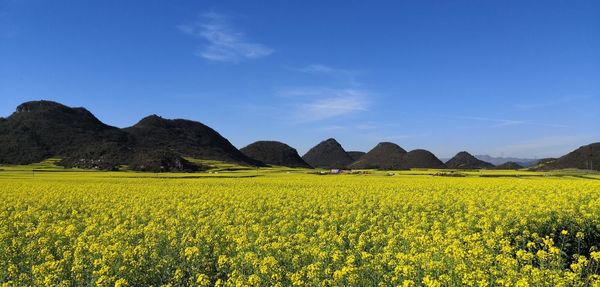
[328, 154]
[38, 130]
[385, 155]
[356, 155]
[420, 158]
[274, 153]
[388, 156]
[525, 162]
[464, 160]
[509, 165]
[585, 157]
[186, 138]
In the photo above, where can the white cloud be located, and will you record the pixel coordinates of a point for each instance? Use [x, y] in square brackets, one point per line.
[553, 102]
[332, 107]
[362, 127]
[315, 104]
[499, 122]
[224, 43]
[509, 122]
[343, 75]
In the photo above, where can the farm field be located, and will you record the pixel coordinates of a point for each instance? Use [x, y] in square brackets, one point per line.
[276, 227]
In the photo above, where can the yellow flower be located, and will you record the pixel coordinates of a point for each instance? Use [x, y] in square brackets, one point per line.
[202, 280]
[121, 283]
[430, 282]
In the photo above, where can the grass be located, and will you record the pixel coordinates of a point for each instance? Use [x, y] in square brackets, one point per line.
[223, 169]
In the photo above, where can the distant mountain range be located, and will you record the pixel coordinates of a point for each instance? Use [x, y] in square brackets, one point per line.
[525, 162]
[39, 130]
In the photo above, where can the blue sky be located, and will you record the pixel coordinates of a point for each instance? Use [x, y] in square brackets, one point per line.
[513, 78]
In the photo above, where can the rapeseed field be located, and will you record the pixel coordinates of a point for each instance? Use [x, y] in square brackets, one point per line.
[295, 229]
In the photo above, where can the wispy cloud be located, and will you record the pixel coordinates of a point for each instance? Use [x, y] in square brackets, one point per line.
[315, 104]
[223, 42]
[508, 122]
[498, 122]
[339, 96]
[344, 75]
[363, 127]
[551, 102]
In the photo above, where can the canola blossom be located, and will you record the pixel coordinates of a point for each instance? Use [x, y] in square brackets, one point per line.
[125, 229]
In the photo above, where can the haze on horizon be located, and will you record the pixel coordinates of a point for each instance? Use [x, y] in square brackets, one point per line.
[504, 78]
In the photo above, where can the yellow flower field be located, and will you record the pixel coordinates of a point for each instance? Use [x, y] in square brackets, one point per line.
[131, 229]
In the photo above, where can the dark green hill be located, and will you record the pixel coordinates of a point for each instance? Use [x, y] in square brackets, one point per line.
[585, 157]
[41, 129]
[356, 155]
[274, 153]
[186, 138]
[464, 160]
[420, 158]
[328, 154]
[384, 155]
